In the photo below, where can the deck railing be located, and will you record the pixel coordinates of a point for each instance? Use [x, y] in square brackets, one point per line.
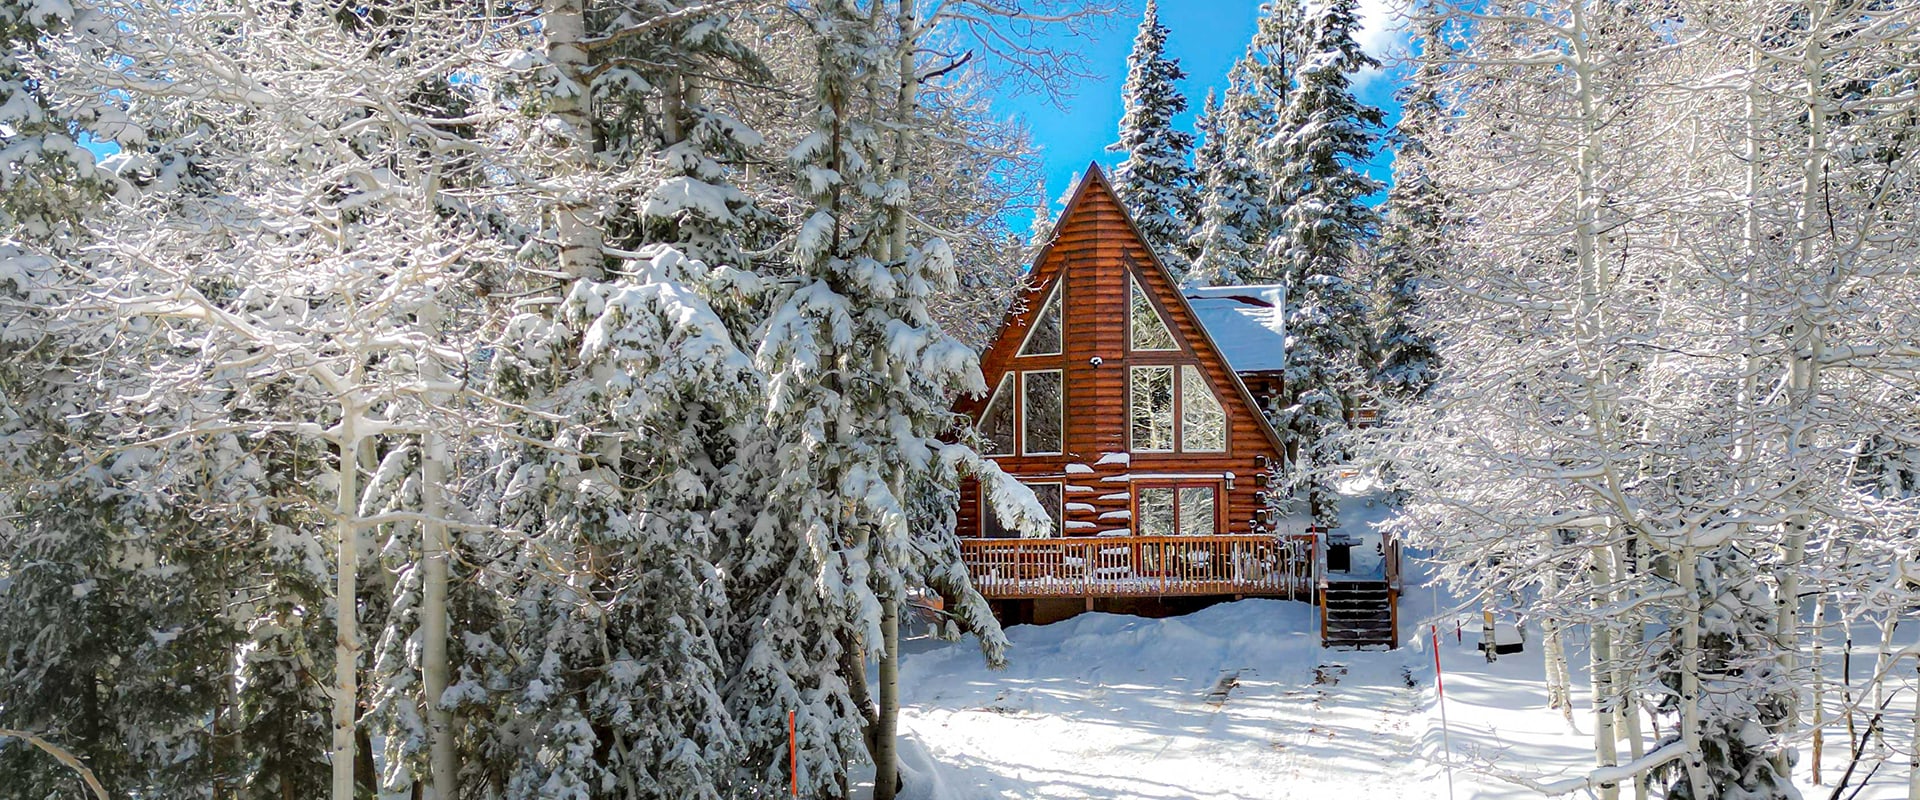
[1141, 566]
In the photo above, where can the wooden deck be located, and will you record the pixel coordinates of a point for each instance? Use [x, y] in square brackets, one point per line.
[1141, 566]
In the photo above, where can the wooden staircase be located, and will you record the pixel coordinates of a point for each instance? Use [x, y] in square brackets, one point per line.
[1355, 614]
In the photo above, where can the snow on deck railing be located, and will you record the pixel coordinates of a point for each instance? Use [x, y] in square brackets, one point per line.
[1134, 566]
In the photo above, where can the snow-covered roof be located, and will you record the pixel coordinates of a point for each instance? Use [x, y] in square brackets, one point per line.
[1247, 323]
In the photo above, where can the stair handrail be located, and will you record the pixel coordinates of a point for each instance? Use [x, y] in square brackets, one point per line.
[1319, 576]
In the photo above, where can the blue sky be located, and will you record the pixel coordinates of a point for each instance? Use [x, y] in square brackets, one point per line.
[1206, 36]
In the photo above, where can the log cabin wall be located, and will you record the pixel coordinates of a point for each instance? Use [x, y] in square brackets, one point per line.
[1094, 251]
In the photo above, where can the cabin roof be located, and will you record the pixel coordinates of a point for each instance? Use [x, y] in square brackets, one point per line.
[1247, 324]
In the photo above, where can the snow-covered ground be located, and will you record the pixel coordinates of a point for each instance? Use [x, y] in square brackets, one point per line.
[1238, 701]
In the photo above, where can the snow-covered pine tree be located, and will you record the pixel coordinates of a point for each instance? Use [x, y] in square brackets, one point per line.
[858, 378]
[1259, 86]
[1040, 229]
[1413, 240]
[1155, 181]
[1228, 246]
[1326, 135]
[627, 661]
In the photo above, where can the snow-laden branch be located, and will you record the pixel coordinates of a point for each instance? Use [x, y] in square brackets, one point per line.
[1601, 777]
[651, 24]
[63, 756]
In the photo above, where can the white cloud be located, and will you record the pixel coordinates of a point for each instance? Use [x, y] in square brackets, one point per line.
[1383, 33]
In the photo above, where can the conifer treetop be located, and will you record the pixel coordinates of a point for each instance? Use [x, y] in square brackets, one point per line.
[1155, 181]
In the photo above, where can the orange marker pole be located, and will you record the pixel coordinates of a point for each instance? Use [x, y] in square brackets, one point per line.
[1440, 698]
[793, 753]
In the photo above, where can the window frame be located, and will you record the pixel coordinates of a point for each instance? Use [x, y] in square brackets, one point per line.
[1173, 389]
[1180, 409]
[1219, 503]
[1134, 287]
[1020, 413]
[1178, 371]
[1033, 325]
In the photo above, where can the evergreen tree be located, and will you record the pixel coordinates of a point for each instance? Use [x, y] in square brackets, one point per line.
[1155, 181]
[857, 374]
[1413, 243]
[1326, 135]
[1040, 230]
[1227, 249]
[1259, 86]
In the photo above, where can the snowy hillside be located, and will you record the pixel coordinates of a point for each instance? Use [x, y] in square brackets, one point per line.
[1112, 706]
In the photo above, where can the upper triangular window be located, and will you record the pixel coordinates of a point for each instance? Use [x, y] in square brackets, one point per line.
[1043, 339]
[1149, 329]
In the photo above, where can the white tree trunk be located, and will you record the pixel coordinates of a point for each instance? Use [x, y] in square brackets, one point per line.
[1606, 754]
[1627, 708]
[1882, 669]
[1808, 344]
[1913, 758]
[576, 219]
[346, 650]
[1554, 651]
[1694, 761]
[1819, 682]
[434, 621]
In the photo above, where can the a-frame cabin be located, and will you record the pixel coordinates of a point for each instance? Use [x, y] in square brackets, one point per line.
[1125, 404]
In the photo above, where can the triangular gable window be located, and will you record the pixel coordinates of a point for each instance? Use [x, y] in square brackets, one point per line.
[1149, 329]
[1043, 339]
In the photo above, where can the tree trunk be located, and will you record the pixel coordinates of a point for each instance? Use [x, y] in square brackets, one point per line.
[1819, 682]
[1803, 373]
[434, 621]
[346, 650]
[1882, 668]
[886, 763]
[1605, 752]
[1627, 709]
[1559, 680]
[1913, 758]
[1695, 759]
[576, 220]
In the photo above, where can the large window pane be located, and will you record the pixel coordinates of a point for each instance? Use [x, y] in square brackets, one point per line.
[996, 425]
[1149, 330]
[1042, 411]
[1196, 510]
[1151, 400]
[1156, 512]
[1203, 425]
[1043, 339]
[1050, 498]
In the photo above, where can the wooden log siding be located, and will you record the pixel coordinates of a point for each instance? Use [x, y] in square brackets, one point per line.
[1094, 250]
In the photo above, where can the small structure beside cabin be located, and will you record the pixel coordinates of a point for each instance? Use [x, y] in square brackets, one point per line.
[1134, 412]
